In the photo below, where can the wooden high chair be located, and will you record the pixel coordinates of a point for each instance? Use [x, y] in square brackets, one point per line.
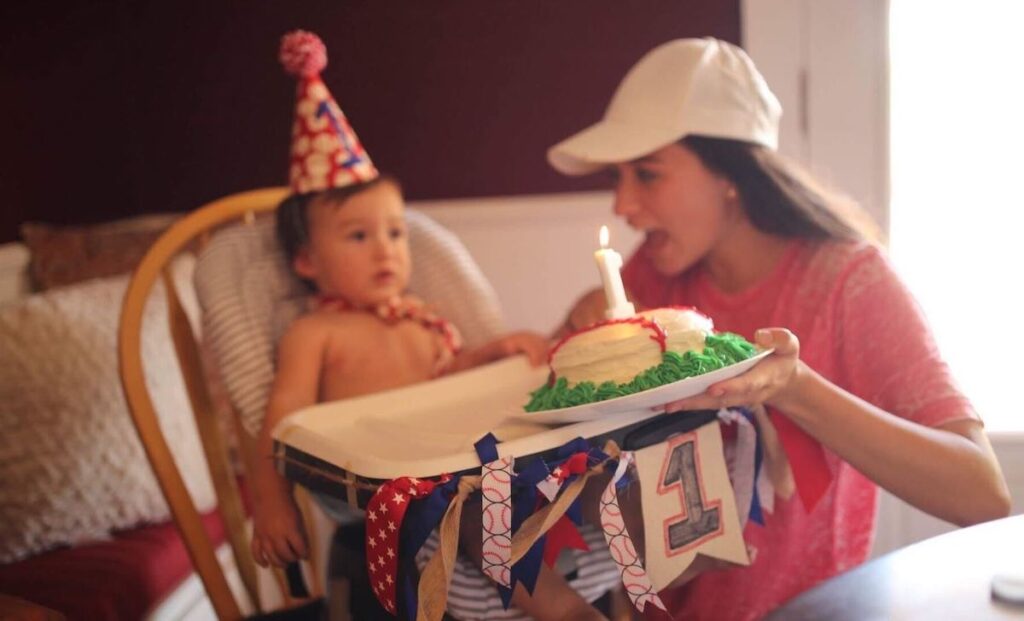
[185, 233]
[445, 274]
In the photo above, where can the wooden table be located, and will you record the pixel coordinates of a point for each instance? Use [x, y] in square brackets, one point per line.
[946, 577]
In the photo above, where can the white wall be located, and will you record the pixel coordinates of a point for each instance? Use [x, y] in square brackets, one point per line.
[827, 61]
[537, 251]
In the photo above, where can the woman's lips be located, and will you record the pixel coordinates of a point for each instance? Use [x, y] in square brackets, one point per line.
[655, 241]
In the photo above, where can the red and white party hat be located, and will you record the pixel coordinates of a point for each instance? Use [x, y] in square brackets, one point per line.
[325, 153]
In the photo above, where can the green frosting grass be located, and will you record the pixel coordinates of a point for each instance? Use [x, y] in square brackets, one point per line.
[720, 350]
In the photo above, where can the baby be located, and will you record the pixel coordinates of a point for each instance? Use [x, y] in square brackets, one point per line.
[363, 334]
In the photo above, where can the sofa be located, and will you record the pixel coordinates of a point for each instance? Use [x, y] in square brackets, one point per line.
[84, 529]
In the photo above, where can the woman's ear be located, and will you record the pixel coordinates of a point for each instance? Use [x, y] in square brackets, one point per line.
[302, 264]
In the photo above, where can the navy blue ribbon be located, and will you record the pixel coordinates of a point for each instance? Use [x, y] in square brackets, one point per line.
[421, 518]
[756, 513]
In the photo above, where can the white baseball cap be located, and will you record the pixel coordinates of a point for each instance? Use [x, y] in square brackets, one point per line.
[705, 87]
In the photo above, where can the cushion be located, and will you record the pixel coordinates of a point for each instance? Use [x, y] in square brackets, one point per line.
[123, 578]
[72, 464]
[249, 295]
[67, 255]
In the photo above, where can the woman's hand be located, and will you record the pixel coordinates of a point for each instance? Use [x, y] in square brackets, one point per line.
[588, 309]
[771, 381]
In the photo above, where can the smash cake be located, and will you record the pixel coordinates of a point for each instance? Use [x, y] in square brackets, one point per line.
[619, 357]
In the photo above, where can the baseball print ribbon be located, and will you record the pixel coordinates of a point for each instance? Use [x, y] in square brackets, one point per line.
[496, 490]
[635, 580]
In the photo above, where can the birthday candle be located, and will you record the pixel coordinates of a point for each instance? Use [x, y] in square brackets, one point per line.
[609, 263]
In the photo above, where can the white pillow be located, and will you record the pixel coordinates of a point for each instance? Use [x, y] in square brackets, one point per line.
[249, 296]
[71, 464]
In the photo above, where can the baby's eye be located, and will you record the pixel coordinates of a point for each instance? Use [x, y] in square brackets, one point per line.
[357, 235]
[612, 175]
[397, 233]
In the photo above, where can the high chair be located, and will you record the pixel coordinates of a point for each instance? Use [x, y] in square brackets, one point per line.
[247, 295]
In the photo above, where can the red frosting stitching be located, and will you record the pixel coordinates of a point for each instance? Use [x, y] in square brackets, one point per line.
[659, 333]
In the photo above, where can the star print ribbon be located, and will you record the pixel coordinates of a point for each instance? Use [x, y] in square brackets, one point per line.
[575, 464]
[635, 580]
[384, 515]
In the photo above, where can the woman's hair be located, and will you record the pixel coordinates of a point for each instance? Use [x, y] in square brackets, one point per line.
[293, 212]
[778, 196]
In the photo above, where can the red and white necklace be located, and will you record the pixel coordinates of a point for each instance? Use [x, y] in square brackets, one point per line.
[400, 309]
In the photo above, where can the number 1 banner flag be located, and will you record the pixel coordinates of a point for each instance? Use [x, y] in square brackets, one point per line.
[689, 507]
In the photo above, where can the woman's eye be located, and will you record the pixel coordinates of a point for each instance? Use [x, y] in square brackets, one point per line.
[644, 175]
[357, 235]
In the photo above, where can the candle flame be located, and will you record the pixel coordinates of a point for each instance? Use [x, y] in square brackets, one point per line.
[603, 236]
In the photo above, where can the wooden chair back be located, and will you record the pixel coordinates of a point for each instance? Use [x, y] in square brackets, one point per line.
[185, 233]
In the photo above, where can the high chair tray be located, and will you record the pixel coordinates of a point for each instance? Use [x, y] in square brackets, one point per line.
[428, 429]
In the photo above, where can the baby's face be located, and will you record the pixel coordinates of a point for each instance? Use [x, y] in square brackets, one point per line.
[358, 250]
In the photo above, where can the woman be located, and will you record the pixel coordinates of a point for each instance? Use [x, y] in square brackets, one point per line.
[731, 228]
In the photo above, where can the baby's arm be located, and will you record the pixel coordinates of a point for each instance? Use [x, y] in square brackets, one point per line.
[278, 535]
[533, 345]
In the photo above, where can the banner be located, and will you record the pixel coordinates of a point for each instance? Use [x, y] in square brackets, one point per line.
[688, 504]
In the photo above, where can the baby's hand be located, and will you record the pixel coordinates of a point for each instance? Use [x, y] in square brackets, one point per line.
[533, 345]
[278, 536]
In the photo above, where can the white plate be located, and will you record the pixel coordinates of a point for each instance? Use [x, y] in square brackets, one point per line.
[643, 400]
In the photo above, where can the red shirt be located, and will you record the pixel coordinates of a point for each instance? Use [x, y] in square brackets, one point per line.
[858, 327]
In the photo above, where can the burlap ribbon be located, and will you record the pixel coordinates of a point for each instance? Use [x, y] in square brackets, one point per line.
[437, 575]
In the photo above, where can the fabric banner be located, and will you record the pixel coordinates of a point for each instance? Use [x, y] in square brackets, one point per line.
[496, 488]
[620, 544]
[688, 504]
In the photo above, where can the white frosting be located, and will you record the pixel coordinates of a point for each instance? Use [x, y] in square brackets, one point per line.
[618, 352]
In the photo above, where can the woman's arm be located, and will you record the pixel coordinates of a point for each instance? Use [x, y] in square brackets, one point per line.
[589, 309]
[950, 471]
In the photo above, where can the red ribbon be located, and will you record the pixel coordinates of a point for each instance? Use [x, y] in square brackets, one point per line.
[563, 534]
[384, 515]
[811, 473]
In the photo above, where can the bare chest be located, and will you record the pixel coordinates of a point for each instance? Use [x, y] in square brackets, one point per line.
[371, 355]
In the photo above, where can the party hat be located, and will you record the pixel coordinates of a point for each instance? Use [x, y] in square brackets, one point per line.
[326, 153]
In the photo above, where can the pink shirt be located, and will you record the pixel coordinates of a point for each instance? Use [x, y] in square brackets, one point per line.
[860, 328]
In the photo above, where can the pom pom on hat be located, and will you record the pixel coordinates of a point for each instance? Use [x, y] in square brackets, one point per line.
[325, 153]
[303, 54]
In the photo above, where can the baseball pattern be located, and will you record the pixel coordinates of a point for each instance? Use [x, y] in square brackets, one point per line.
[384, 515]
[620, 544]
[496, 489]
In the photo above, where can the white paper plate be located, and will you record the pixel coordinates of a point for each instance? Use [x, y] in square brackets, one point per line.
[643, 400]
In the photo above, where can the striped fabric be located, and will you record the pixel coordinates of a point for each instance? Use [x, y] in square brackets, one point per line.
[249, 296]
[472, 596]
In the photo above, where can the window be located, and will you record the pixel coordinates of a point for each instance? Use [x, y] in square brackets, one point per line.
[957, 205]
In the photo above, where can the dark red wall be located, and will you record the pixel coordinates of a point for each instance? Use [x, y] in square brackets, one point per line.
[117, 108]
